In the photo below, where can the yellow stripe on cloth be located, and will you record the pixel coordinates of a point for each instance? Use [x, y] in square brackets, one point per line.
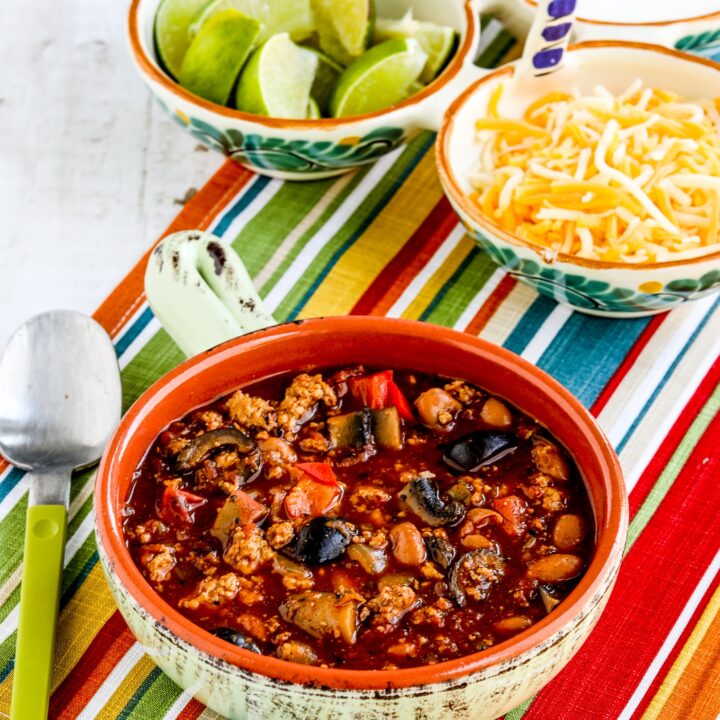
[380, 242]
[79, 622]
[127, 688]
[432, 287]
[691, 689]
[509, 313]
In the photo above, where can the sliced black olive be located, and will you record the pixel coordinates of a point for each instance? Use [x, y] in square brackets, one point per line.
[474, 574]
[478, 449]
[236, 638]
[201, 446]
[423, 497]
[441, 551]
[352, 429]
[321, 540]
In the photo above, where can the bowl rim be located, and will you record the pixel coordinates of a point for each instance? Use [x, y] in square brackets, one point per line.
[152, 70]
[599, 575]
[454, 191]
[651, 23]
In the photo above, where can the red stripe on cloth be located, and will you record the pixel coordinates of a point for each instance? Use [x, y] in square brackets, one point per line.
[98, 661]
[656, 581]
[191, 711]
[669, 445]
[197, 214]
[489, 307]
[627, 363]
[677, 649]
[390, 284]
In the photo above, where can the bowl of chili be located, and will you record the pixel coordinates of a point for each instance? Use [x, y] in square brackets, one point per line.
[221, 665]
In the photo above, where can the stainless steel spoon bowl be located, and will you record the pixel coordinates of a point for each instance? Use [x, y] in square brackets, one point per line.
[60, 400]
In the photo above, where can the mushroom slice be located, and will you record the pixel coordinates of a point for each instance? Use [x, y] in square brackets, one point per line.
[440, 550]
[201, 446]
[422, 496]
[321, 540]
[478, 449]
[474, 575]
[234, 637]
[323, 614]
[372, 560]
[549, 597]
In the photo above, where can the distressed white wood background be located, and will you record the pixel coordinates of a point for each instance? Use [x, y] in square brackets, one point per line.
[91, 171]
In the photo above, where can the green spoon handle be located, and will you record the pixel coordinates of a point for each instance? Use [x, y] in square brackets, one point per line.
[39, 599]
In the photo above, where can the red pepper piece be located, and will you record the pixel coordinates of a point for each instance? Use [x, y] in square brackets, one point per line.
[179, 505]
[372, 390]
[319, 471]
[396, 398]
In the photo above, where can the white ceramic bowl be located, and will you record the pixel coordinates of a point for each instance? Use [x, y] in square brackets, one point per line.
[692, 25]
[311, 149]
[591, 286]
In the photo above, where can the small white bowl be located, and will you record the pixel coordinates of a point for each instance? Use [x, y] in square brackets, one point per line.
[686, 26]
[312, 149]
[591, 286]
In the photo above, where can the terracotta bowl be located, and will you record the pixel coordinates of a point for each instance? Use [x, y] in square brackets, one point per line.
[241, 684]
[610, 289]
[311, 149]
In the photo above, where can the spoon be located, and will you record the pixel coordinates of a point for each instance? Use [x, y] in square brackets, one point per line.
[547, 39]
[60, 399]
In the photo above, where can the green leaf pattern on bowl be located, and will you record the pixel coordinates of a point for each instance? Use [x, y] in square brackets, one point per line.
[705, 44]
[273, 153]
[585, 293]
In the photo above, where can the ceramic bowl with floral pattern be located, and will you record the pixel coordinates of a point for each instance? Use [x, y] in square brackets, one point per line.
[312, 149]
[611, 289]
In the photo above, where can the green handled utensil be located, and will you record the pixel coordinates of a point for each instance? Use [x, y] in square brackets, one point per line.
[60, 399]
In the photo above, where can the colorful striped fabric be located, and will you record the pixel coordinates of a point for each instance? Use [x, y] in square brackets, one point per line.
[384, 241]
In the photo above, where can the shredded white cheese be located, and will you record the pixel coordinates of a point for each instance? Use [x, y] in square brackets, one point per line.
[633, 178]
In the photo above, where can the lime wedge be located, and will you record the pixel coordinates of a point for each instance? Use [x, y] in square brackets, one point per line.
[277, 79]
[172, 20]
[326, 77]
[217, 54]
[380, 77]
[343, 27]
[438, 41]
[313, 111]
[276, 16]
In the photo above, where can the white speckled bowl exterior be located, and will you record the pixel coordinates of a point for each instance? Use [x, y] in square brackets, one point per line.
[240, 684]
[312, 149]
[608, 289]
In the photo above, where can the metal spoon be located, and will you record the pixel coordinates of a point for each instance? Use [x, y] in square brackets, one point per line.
[60, 399]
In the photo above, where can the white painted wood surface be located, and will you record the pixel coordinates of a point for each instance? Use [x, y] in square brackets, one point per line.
[91, 170]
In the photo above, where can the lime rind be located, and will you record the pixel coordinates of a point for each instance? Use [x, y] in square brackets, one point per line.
[383, 76]
[438, 41]
[277, 79]
[215, 57]
[276, 16]
[172, 21]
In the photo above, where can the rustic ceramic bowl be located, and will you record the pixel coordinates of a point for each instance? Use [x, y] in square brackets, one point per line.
[311, 149]
[599, 288]
[242, 684]
[686, 26]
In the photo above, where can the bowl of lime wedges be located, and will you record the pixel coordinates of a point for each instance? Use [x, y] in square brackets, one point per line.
[304, 89]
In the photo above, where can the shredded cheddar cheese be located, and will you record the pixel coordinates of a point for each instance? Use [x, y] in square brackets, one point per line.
[633, 178]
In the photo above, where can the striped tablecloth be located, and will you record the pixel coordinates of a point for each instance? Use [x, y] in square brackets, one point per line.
[384, 241]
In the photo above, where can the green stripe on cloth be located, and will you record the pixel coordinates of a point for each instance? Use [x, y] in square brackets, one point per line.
[159, 693]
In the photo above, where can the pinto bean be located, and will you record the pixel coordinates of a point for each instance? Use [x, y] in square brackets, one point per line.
[513, 624]
[297, 652]
[568, 532]
[555, 568]
[496, 414]
[408, 546]
[476, 541]
[437, 408]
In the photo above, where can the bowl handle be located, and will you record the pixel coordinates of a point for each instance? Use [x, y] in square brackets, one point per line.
[201, 292]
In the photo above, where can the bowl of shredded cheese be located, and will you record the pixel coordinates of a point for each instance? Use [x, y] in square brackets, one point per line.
[599, 184]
